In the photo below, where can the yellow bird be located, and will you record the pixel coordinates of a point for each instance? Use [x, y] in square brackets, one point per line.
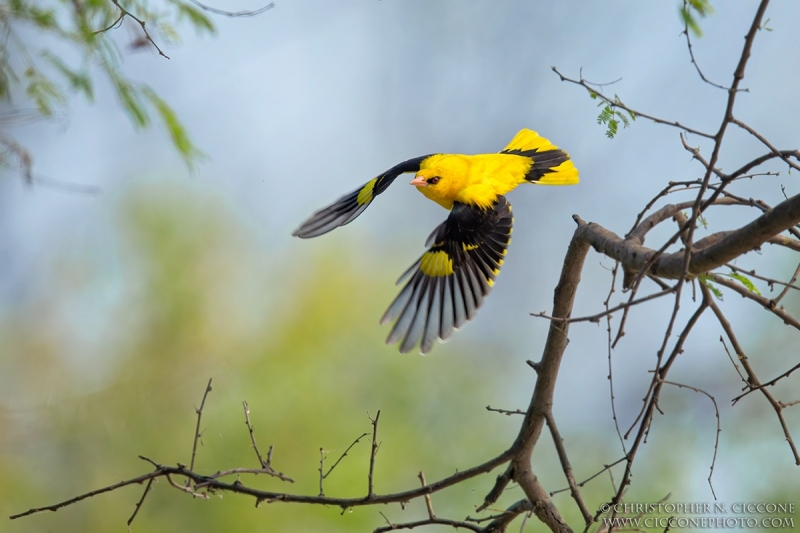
[449, 282]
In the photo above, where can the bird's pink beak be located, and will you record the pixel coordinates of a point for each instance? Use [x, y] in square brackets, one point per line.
[419, 181]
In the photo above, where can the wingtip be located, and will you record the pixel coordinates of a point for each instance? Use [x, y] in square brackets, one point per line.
[406, 349]
[300, 231]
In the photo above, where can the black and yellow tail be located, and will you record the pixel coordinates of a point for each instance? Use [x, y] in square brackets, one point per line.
[550, 166]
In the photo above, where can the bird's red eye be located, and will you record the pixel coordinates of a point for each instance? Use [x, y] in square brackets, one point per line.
[434, 180]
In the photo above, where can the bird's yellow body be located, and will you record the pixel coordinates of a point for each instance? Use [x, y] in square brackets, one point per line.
[449, 282]
[472, 179]
[479, 179]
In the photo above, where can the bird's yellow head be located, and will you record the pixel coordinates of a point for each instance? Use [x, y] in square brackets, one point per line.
[427, 177]
[436, 184]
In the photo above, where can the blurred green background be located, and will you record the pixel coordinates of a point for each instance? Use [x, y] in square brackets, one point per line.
[116, 309]
[293, 335]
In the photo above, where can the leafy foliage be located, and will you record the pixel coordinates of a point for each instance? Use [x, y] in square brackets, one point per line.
[48, 74]
[691, 10]
[744, 280]
[195, 16]
[42, 91]
[705, 279]
[611, 116]
[170, 120]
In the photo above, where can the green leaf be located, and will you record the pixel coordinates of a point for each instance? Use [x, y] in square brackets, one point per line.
[6, 76]
[611, 116]
[744, 280]
[180, 138]
[690, 22]
[169, 32]
[605, 115]
[130, 100]
[612, 128]
[706, 280]
[44, 18]
[623, 118]
[44, 93]
[196, 17]
[703, 7]
[84, 26]
[689, 12]
[79, 81]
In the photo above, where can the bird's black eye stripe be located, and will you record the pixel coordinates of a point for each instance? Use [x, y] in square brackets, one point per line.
[434, 180]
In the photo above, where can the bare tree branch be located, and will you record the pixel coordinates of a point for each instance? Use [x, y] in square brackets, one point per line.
[635, 257]
[234, 14]
[617, 103]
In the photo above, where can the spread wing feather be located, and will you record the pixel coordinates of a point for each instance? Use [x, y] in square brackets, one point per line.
[448, 283]
[348, 207]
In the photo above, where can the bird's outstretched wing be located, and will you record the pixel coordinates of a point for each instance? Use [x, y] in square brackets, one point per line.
[449, 282]
[348, 207]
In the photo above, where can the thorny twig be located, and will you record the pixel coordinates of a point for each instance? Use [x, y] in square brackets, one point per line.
[373, 452]
[609, 351]
[324, 475]
[751, 388]
[197, 434]
[141, 501]
[608, 312]
[142, 23]
[719, 427]
[588, 479]
[505, 411]
[428, 502]
[752, 379]
[567, 467]
[697, 66]
[266, 465]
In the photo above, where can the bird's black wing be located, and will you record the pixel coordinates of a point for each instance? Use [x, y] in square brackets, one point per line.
[348, 207]
[449, 282]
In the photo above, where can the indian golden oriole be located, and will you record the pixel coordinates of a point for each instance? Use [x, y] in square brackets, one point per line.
[449, 282]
